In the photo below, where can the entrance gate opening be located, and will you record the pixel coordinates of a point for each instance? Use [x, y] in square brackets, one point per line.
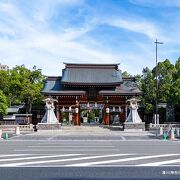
[91, 113]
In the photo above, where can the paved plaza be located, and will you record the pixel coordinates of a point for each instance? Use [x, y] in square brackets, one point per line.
[89, 133]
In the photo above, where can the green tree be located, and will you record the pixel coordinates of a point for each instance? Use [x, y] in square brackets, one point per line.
[3, 103]
[176, 83]
[91, 115]
[125, 74]
[4, 81]
[168, 79]
[165, 73]
[148, 88]
[26, 85]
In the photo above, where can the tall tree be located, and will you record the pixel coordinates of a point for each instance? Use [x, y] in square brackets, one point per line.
[168, 79]
[3, 103]
[26, 85]
[4, 81]
[148, 88]
[176, 83]
[125, 74]
[165, 72]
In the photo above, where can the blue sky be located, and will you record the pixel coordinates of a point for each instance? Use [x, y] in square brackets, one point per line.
[47, 33]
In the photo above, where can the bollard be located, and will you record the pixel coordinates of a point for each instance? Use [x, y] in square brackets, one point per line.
[17, 130]
[172, 134]
[177, 132]
[165, 136]
[6, 136]
[161, 131]
[0, 133]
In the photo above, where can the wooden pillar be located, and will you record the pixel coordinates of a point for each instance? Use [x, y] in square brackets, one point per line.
[77, 117]
[106, 117]
[58, 113]
[126, 111]
[59, 116]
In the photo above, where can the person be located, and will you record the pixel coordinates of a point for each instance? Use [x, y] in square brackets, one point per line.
[35, 128]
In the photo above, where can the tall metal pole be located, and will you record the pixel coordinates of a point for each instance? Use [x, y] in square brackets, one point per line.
[157, 42]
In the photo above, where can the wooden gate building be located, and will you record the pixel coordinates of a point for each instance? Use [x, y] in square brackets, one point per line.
[91, 86]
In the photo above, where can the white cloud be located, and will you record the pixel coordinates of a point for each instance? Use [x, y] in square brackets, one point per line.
[31, 43]
[155, 3]
[44, 10]
[136, 25]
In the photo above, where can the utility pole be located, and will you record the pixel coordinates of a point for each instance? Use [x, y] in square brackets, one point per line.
[157, 42]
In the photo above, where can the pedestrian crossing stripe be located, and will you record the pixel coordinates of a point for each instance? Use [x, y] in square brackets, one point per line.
[161, 163]
[122, 160]
[37, 157]
[61, 160]
[66, 160]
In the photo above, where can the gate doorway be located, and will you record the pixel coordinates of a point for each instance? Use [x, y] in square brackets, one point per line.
[91, 113]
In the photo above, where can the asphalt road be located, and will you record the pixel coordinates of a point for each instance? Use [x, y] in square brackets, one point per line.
[93, 173]
[89, 156]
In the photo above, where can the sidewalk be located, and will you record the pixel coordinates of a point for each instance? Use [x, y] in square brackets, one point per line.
[91, 131]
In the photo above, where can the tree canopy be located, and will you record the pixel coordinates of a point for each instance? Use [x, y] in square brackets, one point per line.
[3, 103]
[168, 80]
[22, 85]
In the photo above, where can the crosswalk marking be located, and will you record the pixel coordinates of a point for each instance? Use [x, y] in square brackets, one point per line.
[121, 160]
[60, 160]
[86, 160]
[161, 163]
[11, 155]
[38, 157]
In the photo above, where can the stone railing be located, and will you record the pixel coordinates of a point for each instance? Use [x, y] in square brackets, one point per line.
[8, 122]
[12, 128]
[173, 125]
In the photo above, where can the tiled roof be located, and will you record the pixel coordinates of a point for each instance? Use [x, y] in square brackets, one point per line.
[128, 87]
[15, 108]
[53, 86]
[91, 76]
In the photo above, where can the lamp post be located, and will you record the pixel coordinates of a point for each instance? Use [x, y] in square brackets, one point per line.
[157, 42]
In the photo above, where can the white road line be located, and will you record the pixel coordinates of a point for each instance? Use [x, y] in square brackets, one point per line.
[37, 157]
[61, 160]
[11, 155]
[94, 140]
[62, 146]
[51, 138]
[121, 160]
[161, 163]
[73, 149]
[73, 143]
[113, 165]
[123, 138]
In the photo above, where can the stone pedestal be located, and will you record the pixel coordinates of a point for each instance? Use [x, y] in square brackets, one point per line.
[46, 126]
[129, 126]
